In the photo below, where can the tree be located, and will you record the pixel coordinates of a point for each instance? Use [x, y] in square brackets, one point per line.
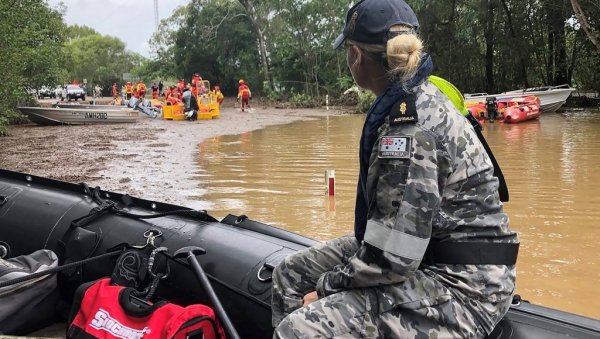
[30, 52]
[258, 15]
[216, 40]
[98, 58]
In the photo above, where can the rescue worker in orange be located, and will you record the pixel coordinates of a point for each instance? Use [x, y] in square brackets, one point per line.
[142, 89]
[180, 85]
[220, 96]
[172, 96]
[154, 91]
[128, 90]
[115, 91]
[195, 84]
[136, 92]
[244, 94]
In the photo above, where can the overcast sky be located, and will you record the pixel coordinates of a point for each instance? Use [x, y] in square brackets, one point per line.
[132, 21]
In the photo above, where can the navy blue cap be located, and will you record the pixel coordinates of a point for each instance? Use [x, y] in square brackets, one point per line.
[369, 21]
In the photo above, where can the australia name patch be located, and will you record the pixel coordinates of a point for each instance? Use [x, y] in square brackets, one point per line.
[395, 147]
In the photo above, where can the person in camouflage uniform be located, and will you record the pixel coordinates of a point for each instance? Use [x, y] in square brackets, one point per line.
[425, 182]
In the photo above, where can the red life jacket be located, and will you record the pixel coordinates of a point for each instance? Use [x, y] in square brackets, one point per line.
[106, 311]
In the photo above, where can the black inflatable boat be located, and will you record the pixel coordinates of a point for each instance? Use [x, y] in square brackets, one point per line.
[37, 212]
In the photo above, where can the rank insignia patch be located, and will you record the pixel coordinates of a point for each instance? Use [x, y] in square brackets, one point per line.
[404, 111]
[394, 147]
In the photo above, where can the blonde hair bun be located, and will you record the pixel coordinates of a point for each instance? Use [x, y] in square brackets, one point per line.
[404, 54]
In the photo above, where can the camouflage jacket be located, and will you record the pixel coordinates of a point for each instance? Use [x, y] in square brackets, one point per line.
[428, 179]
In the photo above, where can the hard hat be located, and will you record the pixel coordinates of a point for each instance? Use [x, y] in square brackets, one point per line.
[128, 82]
[241, 81]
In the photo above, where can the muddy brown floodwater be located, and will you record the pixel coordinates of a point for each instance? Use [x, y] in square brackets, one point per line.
[151, 159]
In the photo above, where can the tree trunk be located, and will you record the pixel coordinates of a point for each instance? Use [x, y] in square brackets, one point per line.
[557, 43]
[516, 40]
[573, 60]
[260, 33]
[488, 10]
[584, 23]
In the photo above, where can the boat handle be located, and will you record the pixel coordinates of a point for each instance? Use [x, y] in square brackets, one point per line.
[264, 267]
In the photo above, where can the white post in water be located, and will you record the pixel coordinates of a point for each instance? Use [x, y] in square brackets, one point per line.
[330, 181]
[327, 102]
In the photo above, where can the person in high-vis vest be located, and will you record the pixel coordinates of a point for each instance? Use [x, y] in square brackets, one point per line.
[115, 91]
[196, 84]
[142, 89]
[219, 94]
[172, 96]
[432, 255]
[244, 95]
[128, 90]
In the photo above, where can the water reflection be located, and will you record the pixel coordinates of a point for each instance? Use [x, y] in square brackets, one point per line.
[276, 175]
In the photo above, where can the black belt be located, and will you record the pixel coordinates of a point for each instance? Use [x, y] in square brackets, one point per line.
[471, 253]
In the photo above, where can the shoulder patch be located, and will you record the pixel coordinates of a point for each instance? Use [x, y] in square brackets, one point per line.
[404, 111]
[395, 147]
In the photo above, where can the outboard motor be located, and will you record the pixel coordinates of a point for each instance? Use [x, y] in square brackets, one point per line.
[491, 106]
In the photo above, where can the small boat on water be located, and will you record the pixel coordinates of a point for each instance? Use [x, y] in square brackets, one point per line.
[525, 109]
[37, 212]
[80, 115]
[551, 97]
[507, 110]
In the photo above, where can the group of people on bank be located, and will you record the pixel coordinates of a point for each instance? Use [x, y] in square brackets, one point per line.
[174, 93]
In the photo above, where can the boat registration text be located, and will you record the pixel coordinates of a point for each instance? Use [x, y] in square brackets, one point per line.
[96, 115]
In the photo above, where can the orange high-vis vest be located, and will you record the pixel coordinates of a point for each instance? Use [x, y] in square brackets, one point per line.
[244, 92]
[128, 89]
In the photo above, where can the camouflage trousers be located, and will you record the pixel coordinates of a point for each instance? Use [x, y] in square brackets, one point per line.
[420, 307]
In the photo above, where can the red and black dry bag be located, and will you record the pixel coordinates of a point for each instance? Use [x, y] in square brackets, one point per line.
[103, 310]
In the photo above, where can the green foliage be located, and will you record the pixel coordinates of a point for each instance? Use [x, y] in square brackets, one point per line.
[365, 100]
[303, 100]
[300, 43]
[99, 59]
[30, 53]
[215, 40]
[344, 82]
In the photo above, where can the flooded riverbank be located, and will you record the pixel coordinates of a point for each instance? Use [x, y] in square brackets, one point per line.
[152, 158]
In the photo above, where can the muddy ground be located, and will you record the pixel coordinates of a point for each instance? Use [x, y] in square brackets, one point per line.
[152, 159]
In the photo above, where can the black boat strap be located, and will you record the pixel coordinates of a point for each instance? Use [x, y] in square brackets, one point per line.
[60, 268]
[503, 188]
[77, 228]
[471, 253]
